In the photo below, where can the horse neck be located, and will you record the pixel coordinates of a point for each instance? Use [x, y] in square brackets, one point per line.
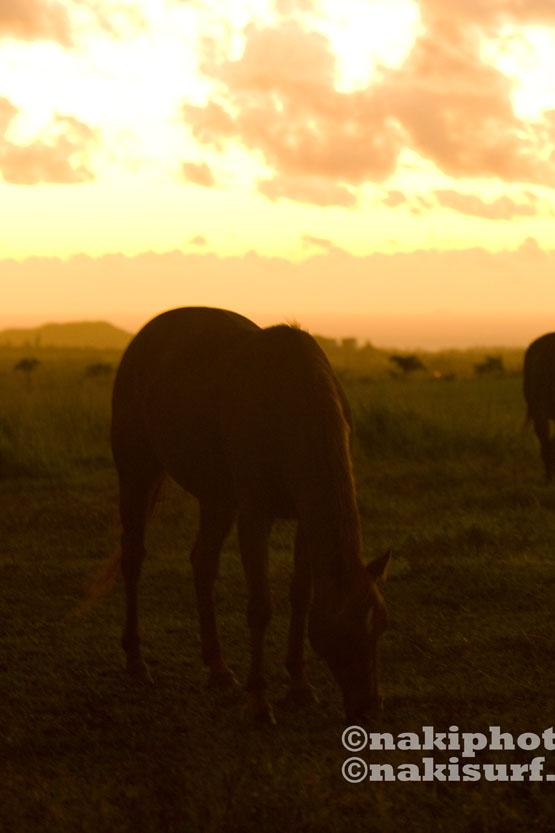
[331, 526]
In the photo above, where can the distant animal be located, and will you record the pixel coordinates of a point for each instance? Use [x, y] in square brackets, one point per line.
[27, 365]
[539, 392]
[407, 364]
[254, 423]
[97, 370]
[491, 364]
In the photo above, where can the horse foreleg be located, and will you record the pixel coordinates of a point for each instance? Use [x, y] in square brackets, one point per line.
[215, 522]
[299, 691]
[253, 543]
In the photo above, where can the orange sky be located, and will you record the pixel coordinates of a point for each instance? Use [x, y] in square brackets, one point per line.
[285, 158]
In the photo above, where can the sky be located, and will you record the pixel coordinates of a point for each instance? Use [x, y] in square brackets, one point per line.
[334, 162]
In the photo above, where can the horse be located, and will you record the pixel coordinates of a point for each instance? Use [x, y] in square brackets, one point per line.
[254, 423]
[539, 392]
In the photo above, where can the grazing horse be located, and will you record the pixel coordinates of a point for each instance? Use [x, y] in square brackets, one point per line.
[539, 392]
[253, 423]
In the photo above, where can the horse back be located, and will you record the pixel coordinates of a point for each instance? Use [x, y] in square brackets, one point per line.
[165, 397]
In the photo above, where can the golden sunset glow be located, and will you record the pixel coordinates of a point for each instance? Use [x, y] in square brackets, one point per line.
[381, 147]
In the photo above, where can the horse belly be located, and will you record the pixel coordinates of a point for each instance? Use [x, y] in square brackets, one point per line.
[186, 439]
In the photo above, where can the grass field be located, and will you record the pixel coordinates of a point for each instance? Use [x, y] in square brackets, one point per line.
[447, 477]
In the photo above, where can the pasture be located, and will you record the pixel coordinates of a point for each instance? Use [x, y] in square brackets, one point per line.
[447, 477]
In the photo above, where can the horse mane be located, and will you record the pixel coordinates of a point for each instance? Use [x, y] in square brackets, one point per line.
[321, 411]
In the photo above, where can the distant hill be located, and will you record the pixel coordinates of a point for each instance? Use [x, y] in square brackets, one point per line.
[92, 334]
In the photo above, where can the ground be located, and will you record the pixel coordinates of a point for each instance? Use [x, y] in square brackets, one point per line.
[447, 477]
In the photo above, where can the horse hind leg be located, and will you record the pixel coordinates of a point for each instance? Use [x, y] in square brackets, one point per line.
[300, 690]
[253, 533]
[550, 465]
[215, 522]
[137, 496]
[541, 427]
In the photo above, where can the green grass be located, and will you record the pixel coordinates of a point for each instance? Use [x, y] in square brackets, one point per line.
[447, 477]
[55, 419]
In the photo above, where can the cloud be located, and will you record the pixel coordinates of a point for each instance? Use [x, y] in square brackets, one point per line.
[59, 156]
[198, 240]
[35, 20]
[279, 99]
[50, 20]
[305, 189]
[445, 102]
[328, 283]
[198, 174]
[319, 242]
[456, 111]
[209, 124]
[455, 107]
[530, 248]
[394, 198]
[420, 205]
[453, 14]
[116, 19]
[8, 111]
[502, 208]
[286, 7]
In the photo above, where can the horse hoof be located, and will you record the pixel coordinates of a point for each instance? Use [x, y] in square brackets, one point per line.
[138, 670]
[222, 678]
[260, 712]
[299, 696]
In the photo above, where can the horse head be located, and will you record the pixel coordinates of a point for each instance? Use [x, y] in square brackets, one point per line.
[348, 640]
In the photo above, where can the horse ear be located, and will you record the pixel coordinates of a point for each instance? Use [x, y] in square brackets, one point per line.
[377, 569]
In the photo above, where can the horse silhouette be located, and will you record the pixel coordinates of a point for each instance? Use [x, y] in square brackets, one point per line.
[539, 392]
[252, 422]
